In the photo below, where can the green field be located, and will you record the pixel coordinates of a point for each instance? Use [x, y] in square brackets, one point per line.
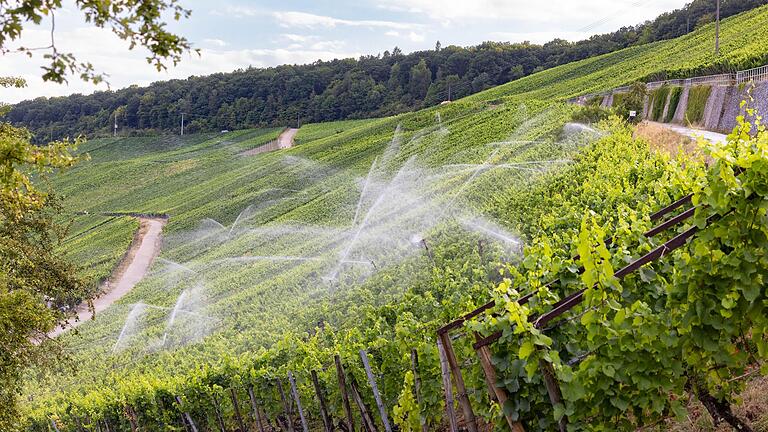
[97, 243]
[367, 234]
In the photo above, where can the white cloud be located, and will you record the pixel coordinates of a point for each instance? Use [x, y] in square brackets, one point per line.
[565, 14]
[215, 42]
[110, 55]
[416, 37]
[307, 20]
[239, 12]
[297, 38]
[411, 36]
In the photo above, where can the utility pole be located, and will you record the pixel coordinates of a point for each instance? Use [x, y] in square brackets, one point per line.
[115, 133]
[449, 91]
[182, 124]
[717, 30]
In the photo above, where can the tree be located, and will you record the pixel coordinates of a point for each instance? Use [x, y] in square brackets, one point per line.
[37, 286]
[632, 101]
[140, 22]
[421, 78]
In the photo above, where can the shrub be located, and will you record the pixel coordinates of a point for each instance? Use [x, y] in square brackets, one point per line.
[590, 114]
[633, 100]
[697, 102]
[595, 101]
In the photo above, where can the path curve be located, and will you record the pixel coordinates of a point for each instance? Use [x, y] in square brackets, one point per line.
[284, 141]
[713, 137]
[131, 270]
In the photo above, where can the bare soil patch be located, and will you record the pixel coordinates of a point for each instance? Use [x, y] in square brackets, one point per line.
[284, 141]
[130, 270]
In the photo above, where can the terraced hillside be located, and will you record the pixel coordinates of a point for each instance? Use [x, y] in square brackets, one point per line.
[367, 234]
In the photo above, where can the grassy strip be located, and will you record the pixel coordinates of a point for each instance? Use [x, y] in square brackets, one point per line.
[674, 101]
[697, 102]
[659, 97]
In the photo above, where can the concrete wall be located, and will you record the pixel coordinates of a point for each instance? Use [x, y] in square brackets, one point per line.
[682, 106]
[665, 111]
[723, 105]
[646, 106]
[607, 101]
[713, 111]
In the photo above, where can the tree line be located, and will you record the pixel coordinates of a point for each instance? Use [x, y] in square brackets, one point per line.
[371, 86]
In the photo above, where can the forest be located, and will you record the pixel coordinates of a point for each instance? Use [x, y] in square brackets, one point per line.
[371, 86]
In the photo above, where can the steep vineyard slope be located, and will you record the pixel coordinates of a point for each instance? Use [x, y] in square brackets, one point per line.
[365, 234]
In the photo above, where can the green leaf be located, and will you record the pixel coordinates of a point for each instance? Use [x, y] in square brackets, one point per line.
[619, 403]
[620, 316]
[589, 318]
[526, 349]
[559, 411]
[608, 370]
[751, 291]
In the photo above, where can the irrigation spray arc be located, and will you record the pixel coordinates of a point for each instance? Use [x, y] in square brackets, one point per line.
[399, 208]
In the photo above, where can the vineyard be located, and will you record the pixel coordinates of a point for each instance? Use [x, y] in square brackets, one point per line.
[336, 285]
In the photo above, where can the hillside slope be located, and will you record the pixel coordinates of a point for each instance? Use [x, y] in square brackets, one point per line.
[375, 231]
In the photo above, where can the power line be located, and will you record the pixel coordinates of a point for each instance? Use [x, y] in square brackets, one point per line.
[610, 17]
[717, 30]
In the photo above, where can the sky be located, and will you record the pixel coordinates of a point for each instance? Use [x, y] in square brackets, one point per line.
[234, 34]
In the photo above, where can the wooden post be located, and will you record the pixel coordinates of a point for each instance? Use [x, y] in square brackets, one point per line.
[267, 425]
[490, 375]
[236, 405]
[255, 409]
[417, 389]
[286, 406]
[375, 388]
[217, 409]
[321, 398]
[461, 389]
[185, 417]
[447, 388]
[553, 389]
[79, 424]
[132, 419]
[344, 395]
[298, 401]
[365, 413]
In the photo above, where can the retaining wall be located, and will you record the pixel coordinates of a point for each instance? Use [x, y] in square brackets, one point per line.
[722, 107]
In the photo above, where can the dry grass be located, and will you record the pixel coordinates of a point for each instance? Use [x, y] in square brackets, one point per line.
[667, 141]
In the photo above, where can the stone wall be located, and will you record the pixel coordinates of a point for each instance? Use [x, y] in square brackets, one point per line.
[732, 104]
[723, 105]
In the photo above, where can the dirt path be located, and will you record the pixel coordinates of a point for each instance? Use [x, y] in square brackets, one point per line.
[694, 133]
[131, 270]
[284, 141]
